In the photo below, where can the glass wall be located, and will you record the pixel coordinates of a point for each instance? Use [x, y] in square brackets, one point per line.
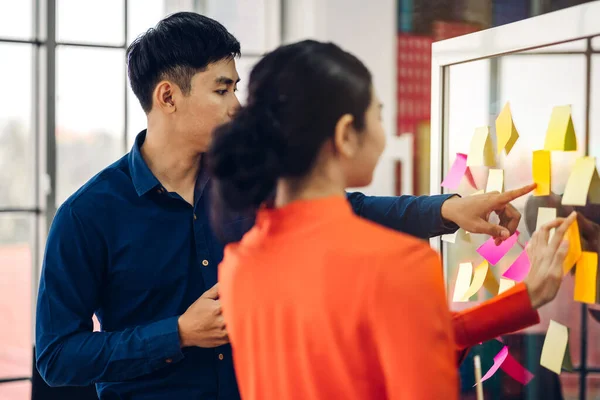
[67, 113]
[533, 82]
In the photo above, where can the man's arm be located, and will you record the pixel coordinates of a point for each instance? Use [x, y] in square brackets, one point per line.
[417, 216]
[68, 351]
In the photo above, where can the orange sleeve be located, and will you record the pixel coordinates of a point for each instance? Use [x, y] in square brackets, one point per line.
[506, 313]
[411, 327]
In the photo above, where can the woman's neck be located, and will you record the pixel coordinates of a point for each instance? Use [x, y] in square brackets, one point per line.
[314, 186]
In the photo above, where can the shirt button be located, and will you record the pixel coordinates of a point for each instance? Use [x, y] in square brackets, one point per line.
[195, 218]
[221, 356]
[205, 263]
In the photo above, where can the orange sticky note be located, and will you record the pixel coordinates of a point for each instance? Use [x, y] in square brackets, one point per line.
[479, 275]
[505, 130]
[583, 183]
[585, 278]
[541, 169]
[481, 153]
[560, 135]
[505, 284]
[555, 345]
[574, 253]
[495, 182]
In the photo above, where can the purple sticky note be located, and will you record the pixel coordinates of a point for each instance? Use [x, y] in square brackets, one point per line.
[457, 171]
[493, 253]
[498, 360]
[519, 269]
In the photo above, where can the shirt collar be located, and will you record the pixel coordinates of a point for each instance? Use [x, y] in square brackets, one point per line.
[142, 177]
[144, 180]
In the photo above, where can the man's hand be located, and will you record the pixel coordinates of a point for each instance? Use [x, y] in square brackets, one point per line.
[472, 212]
[202, 324]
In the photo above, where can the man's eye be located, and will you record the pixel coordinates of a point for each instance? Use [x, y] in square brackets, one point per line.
[222, 92]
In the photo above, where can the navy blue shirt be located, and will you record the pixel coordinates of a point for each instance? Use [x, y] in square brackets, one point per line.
[124, 248]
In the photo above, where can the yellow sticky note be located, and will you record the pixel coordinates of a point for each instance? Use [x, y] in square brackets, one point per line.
[574, 253]
[479, 275]
[463, 280]
[477, 192]
[541, 169]
[505, 284]
[554, 348]
[561, 133]
[505, 130]
[481, 153]
[585, 278]
[583, 183]
[490, 283]
[545, 215]
[495, 182]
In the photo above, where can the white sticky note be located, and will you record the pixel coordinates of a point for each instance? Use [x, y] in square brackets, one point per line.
[495, 182]
[555, 345]
[545, 215]
[463, 281]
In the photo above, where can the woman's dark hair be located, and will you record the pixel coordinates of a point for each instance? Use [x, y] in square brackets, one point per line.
[296, 96]
[178, 47]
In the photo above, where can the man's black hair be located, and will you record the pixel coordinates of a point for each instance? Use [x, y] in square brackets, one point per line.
[178, 47]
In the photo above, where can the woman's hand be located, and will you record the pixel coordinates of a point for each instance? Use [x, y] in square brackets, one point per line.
[546, 259]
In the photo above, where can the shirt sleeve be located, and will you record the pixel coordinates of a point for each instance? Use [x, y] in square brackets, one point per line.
[417, 216]
[411, 327]
[68, 351]
[509, 312]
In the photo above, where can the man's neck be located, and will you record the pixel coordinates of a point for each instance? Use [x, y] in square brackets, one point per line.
[172, 163]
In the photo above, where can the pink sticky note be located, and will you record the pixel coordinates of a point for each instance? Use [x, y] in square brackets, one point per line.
[493, 253]
[498, 360]
[516, 371]
[519, 269]
[457, 171]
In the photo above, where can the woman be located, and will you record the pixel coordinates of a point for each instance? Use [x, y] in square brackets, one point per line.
[321, 304]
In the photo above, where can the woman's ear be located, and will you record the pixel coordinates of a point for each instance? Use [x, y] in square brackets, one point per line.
[345, 139]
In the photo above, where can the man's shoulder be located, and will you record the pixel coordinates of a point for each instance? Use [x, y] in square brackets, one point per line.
[109, 181]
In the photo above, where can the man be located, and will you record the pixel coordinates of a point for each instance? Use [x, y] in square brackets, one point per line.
[134, 245]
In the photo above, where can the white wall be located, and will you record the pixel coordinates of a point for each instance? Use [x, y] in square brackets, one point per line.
[368, 30]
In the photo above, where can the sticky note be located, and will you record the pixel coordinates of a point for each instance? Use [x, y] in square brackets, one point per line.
[574, 253]
[463, 281]
[506, 132]
[493, 253]
[585, 278]
[519, 269]
[490, 283]
[477, 193]
[505, 284]
[567, 364]
[583, 183]
[515, 370]
[498, 361]
[495, 182]
[458, 170]
[450, 237]
[541, 170]
[479, 275]
[555, 344]
[560, 134]
[481, 153]
[545, 215]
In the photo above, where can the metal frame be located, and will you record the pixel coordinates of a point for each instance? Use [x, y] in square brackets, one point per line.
[44, 117]
[574, 23]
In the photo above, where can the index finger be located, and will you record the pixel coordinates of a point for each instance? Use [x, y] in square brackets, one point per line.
[511, 195]
[559, 234]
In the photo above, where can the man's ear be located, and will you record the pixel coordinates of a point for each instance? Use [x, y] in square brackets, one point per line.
[345, 138]
[164, 97]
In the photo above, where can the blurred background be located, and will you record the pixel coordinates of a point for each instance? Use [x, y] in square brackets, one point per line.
[67, 112]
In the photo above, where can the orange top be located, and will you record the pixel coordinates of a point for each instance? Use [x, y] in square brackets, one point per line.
[321, 304]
